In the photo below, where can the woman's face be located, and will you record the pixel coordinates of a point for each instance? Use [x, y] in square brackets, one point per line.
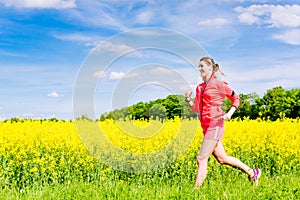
[205, 70]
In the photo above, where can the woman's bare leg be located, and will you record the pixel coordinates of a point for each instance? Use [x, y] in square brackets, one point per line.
[223, 158]
[207, 148]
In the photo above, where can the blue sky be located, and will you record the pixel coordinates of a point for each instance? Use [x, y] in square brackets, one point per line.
[45, 43]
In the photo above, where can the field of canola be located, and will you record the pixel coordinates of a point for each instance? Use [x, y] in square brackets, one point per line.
[39, 152]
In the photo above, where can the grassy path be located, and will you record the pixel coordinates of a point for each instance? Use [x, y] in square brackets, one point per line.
[232, 187]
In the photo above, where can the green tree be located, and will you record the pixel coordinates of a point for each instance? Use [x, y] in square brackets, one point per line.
[247, 106]
[139, 111]
[276, 103]
[173, 106]
[294, 95]
[158, 111]
[186, 111]
[102, 117]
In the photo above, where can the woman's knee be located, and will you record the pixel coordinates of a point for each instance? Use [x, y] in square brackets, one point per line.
[201, 159]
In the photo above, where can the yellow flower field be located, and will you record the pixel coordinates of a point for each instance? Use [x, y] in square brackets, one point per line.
[46, 151]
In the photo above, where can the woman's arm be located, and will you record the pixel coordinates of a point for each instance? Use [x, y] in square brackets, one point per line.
[228, 115]
[188, 98]
[234, 98]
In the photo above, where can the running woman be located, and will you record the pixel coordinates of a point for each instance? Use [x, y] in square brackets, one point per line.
[210, 95]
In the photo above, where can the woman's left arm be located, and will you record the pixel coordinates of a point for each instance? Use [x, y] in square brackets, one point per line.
[228, 115]
[234, 98]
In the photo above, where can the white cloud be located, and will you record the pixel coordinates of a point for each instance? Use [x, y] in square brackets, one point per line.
[161, 70]
[101, 14]
[290, 37]
[248, 18]
[144, 17]
[57, 4]
[116, 75]
[90, 41]
[217, 22]
[1, 108]
[270, 15]
[98, 74]
[131, 75]
[147, 32]
[73, 37]
[119, 49]
[115, 48]
[54, 94]
[261, 79]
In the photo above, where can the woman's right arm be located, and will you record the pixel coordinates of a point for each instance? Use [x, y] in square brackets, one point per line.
[193, 105]
[187, 96]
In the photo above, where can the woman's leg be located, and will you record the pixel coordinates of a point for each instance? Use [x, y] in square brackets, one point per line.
[223, 158]
[206, 150]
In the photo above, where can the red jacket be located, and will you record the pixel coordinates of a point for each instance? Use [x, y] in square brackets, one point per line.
[209, 100]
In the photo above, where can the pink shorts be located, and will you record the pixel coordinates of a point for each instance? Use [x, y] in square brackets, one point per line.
[214, 133]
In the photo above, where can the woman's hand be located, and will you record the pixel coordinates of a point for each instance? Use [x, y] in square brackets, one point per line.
[228, 115]
[188, 95]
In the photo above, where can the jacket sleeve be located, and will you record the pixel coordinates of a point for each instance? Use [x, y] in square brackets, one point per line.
[232, 96]
[195, 107]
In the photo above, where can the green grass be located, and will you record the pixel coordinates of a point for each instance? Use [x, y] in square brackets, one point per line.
[233, 185]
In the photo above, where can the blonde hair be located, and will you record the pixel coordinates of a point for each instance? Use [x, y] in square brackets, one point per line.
[210, 61]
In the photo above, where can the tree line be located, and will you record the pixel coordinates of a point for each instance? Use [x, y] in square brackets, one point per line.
[275, 103]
